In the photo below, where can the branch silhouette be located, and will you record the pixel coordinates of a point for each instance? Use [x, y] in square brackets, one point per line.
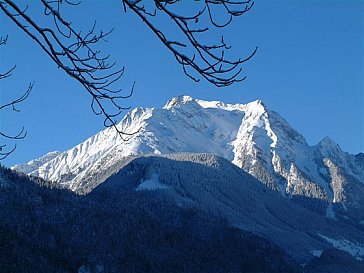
[4, 151]
[76, 52]
[207, 60]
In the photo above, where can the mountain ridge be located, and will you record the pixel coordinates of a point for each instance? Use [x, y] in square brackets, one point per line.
[250, 135]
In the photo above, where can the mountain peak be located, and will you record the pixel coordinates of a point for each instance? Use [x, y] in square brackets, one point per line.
[327, 140]
[36, 163]
[250, 135]
[257, 102]
[328, 144]
[257, 107]
[178, 101]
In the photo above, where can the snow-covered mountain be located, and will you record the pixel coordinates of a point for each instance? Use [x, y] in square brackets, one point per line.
[192, 182]
[321, 177]
[36, 163]
[213, 184]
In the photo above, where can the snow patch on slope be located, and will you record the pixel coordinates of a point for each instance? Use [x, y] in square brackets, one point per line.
[250, 135]
[152, 184]
[316, 253]
[36, 163]
[355, 250]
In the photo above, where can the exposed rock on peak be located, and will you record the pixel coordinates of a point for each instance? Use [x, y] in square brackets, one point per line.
[250, 135]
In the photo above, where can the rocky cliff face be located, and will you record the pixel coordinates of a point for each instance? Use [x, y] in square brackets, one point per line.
[256, 139]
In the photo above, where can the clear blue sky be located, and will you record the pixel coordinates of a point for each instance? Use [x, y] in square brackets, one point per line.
[309, 68]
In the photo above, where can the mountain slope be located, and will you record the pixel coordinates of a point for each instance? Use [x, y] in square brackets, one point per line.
[256, 139]
[139, 207]
[34, 164]
[213, 184]
[54, 230]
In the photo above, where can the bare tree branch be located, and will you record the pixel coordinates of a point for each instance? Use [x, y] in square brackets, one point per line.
[18, 100]
[75, 53]
[209, 61]
[4, 152]
[3, 75]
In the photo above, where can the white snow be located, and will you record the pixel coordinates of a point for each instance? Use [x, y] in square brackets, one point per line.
[246, 134]
[152, 184]
[330, 212]
[316, 253]
[36, 163]
[355, 250]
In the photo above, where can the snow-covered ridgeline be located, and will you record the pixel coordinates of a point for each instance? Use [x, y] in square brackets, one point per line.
[251, 136]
